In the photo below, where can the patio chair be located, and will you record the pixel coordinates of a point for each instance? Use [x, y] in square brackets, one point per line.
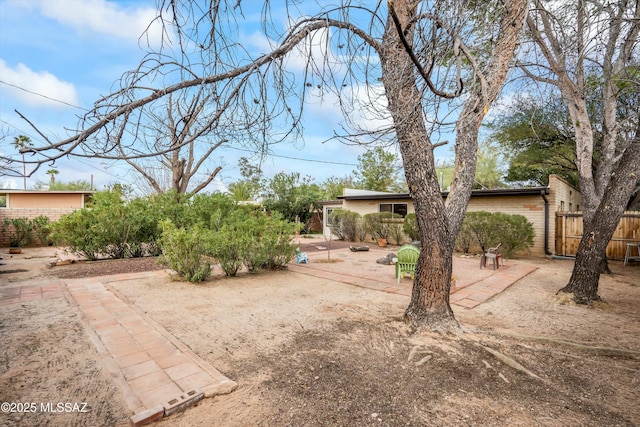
[494, 255]
[407, 259]
[301, 257]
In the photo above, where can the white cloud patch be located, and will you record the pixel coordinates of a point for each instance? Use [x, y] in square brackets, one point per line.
[45, 89]
[100, 16]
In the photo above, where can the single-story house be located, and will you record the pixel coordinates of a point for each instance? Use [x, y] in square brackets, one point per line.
[33, 203]
[537, 204]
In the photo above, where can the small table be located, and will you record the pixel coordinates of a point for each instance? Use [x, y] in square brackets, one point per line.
[628, 257]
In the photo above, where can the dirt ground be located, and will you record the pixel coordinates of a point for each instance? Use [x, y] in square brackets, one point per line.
[307, 351]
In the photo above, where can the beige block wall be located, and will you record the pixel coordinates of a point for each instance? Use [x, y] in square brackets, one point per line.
[44, 200]
[531, 207]
[5, 232]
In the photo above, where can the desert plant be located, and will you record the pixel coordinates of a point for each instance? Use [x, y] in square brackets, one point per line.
[410, 227]
[465, 238]
[42, 229]
[75, 230]
[277, 242]
[483, 228]
[184, 251]
[361, 232]
[395, 232]
[378, 224]
[21, 231]
[514, 232]
[345, 224]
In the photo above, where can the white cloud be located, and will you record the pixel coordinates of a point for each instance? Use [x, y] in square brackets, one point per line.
[38, 82]
[99, 16]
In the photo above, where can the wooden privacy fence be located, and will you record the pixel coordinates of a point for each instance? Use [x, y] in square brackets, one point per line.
[569, 233]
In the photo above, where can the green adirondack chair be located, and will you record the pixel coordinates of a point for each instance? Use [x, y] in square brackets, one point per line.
[407, 259]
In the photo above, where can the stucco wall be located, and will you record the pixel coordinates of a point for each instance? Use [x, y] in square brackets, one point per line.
[45, 200]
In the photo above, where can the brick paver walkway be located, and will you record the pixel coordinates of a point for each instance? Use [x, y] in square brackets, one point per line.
[12, 295]
[157, 372]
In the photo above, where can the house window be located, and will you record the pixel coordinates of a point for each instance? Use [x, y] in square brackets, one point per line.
[3, 200]
[396, 208]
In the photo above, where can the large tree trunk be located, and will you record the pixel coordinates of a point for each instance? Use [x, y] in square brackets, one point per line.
[597, 233]
[439, 223]
[430, 299]
[602, 186]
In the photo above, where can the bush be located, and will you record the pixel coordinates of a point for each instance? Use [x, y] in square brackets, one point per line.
[395, 232]
[77, 231]
[184, 250]
[22, 231]
[244, 236]
[276, 242]
[410, 227]
[514, 232]
[186, 230]
[484, 228]
[345, 224]
[465, 237]
[378, 224]
[42, 230]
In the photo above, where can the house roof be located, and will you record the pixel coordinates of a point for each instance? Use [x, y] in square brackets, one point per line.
[502, 192]
[14, 191]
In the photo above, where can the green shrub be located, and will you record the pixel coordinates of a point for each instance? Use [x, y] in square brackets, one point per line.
[276, 242]
[465, 237]
[184, 250]
[410, 227]
[21, 231]
[514, 232]
[345, 224]
[395, 232]
[484, 228]
[378, 224]
[189, 232]
[76, 230]
[228, 247]
[109, 228]
[244, 236]
[42, 230]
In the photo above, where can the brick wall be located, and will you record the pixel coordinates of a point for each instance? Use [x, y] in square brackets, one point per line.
[5, 232]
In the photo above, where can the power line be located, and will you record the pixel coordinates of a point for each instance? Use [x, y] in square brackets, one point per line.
[297, 158]
[41, 95]
[234, 148]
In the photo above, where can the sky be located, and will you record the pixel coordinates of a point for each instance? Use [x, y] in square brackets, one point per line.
[57, 57]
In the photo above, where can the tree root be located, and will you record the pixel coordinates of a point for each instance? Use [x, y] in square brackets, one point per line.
[509, 362]
[594, 349]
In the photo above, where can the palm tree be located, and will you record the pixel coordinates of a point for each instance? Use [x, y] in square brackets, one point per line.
[21, 142]
[52, 173]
